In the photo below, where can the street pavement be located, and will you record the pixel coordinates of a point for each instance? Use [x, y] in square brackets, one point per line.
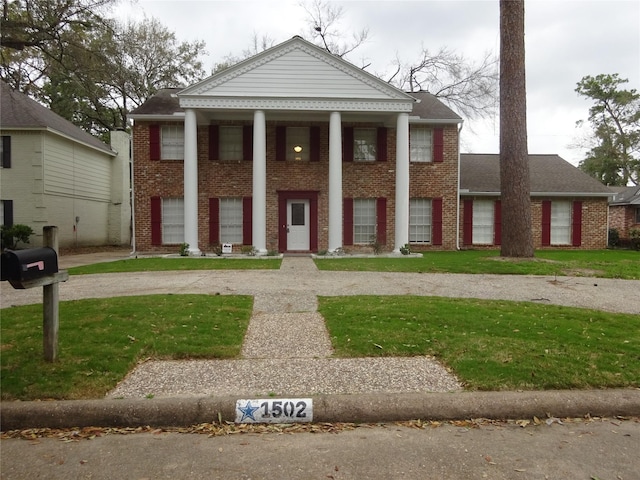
[604, 449]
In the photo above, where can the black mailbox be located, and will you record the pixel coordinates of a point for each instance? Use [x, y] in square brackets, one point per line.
[30, 264]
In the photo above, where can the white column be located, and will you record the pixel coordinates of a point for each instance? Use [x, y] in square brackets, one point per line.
[191, 181]
[259, 202]
[335, 182]
[402, 182]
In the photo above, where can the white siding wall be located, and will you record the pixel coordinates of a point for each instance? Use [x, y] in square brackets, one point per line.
[53, 180]
[297, 74]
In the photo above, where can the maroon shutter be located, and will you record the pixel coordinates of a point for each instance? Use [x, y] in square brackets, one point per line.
[436, 221]
[247, 143]
[381, 150]
[497, 223]
[347, 144]
[6, 151]
[214, 221]
[314, 144]
[156, 221]
[214, 142]
[347, 230]
[438, 145]
[247, 214]
[576, 230]
[546, 223]
[381, 214]
[467, 222]
[154, 142]
[281, 143]
[7, 206]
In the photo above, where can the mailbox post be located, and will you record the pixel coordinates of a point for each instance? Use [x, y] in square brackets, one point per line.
[50, 303]
[38, 267]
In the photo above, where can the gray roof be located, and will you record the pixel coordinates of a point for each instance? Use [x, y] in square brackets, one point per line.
[18, 111]
[431, 108]
[480, 173]
[166, 102]
[626, 195]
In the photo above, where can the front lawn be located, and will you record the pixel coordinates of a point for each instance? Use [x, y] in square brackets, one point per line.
[624, 264]
[492, 345]
[100, 340]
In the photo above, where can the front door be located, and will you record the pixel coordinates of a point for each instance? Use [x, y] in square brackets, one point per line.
[298, 225]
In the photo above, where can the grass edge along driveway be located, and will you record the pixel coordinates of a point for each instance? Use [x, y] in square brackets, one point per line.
[489, 344]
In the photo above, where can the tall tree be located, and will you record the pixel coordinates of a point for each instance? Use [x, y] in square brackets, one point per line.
[614, 158]
[89, 69]
[517, 237]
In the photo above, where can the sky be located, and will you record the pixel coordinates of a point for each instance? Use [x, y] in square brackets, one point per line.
[565, 40]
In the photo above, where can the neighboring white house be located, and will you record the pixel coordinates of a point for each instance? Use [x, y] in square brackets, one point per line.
[53, 173]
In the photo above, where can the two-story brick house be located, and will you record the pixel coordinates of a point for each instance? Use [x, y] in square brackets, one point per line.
[294, 149]
[297, 150]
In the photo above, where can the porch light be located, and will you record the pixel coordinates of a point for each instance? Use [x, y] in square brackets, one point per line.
[298, 150]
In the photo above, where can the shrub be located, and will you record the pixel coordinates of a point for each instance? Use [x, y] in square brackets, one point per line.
[14, 234]
[614, 237]
[634, 235]
[405, 249]
[184, 249]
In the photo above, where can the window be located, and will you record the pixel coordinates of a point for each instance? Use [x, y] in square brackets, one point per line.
[483, 222]
[2, 213]
[364, 220]
[420, 220]
[638, 215]
[231, 220]
[231, 143]
[561, 223]
[172, 220]
[172, 142]
[364, 144]
[420, 144]
[5, 151]
[298, 144]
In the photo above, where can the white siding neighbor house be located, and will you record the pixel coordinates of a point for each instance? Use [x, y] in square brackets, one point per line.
[53, 173]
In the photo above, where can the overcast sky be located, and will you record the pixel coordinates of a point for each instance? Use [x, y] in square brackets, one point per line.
[565, 40]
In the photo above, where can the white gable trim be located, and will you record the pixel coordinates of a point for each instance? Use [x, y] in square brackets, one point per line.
[375, 94]
[296, 104]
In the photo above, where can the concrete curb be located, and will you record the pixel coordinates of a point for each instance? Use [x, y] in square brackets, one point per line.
[366, 408]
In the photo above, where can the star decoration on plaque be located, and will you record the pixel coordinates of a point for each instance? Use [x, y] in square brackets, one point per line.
[247, 411]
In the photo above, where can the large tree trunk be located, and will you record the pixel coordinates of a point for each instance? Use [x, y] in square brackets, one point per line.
[517, 238]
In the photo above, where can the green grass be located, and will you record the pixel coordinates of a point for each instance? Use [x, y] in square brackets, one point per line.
[156, 264]
[624, 264]
[492, 345]
[100, 340]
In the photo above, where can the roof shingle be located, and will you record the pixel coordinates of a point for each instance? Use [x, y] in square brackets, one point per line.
[480, 173]
[19, 111]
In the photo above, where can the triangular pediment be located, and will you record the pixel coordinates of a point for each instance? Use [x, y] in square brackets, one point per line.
[296, 69]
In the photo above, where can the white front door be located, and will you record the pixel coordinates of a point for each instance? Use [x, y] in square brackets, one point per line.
[297, 224]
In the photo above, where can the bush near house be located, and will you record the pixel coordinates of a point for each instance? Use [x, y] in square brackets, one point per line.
[14, 234]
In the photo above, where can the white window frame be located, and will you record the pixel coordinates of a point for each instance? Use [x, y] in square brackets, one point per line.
[172, 142]
[172, 220]
[420, 144]
[483, 222]
[300, 137]
[420, 220]
[561, 212]
[365, 144]
[364, 220]
[231, 142]
[231, 220]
